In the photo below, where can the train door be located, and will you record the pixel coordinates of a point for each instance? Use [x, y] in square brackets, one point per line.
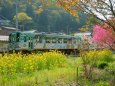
[12, 41]
[30, 43]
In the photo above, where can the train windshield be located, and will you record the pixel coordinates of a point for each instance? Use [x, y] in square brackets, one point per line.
[14, 37]
[17, 37]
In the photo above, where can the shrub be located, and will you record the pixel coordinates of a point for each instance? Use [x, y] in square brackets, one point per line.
[111, 68]
[105, 55]
[102, 65]
[97, 58]
[89, 57]
[101, 83]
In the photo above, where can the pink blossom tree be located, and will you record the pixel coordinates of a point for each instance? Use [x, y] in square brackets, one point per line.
[103, 37]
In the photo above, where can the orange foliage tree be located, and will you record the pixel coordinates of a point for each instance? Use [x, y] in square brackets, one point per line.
[102, 10]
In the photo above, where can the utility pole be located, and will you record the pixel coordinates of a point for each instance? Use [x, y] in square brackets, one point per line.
[17, 15]
[49, 28]
[67, 30]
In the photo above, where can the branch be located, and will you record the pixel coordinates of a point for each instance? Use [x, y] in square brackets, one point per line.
[112, 47]
[111, 7]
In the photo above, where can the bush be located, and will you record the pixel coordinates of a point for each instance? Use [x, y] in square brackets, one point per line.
[89, 57]
[105, 55]
[111, 68]
[97, 58]
[101, 83]
[102, 65]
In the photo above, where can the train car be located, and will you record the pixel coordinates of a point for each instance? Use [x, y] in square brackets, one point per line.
[30, 41]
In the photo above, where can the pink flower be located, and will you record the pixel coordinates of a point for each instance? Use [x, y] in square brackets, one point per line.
[103, 36]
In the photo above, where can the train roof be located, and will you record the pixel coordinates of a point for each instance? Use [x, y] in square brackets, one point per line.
[48, 34]
[54, 35]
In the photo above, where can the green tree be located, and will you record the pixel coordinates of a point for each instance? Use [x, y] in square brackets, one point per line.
[23, 18]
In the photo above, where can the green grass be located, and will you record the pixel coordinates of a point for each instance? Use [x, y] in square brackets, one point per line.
[114, 56]
[53, 77]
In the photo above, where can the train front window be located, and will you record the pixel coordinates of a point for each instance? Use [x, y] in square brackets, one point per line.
[13, 37]
[17, 37]
[25, 39]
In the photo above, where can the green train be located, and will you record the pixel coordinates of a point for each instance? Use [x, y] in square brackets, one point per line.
[31, 41]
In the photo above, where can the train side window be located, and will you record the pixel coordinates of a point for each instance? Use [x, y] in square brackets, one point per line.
[65, 40]
[36, 39]
[40, 39]
[53, 40]
[60, 40]
[47, 40]
[70, 41]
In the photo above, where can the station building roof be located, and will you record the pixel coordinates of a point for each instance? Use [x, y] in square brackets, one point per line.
[9, 28]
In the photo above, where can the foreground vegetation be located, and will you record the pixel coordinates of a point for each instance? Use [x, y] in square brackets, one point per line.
[92, 68]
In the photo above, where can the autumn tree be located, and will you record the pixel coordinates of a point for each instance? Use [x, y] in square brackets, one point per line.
[103, 10]
[70, 6]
